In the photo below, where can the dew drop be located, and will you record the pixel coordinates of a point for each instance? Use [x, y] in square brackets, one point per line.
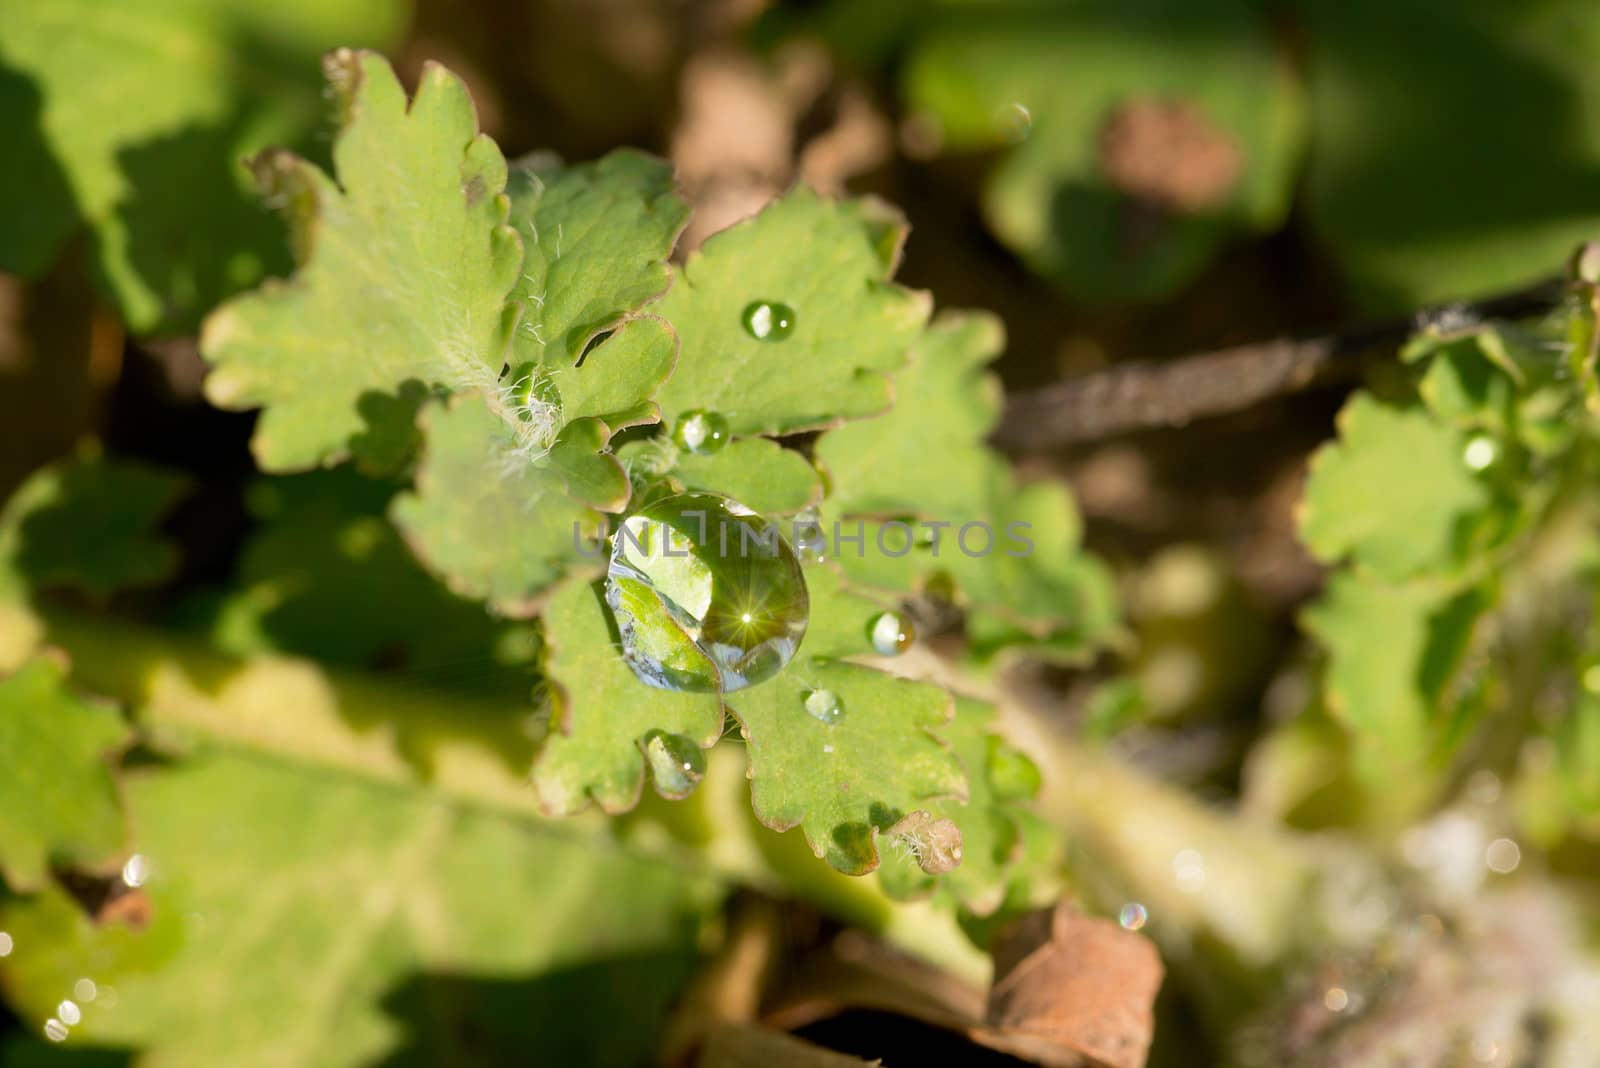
[707, 595]
[1133, 916]
[702, 432]
[1480, 452]
[676, 762]
[55, 1030]
[1014, 121]
[767, 320]
[824, 705]
[891, 633]
[137, 870]
[69, 1013]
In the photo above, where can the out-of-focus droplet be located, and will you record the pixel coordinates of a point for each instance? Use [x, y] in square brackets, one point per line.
[1480, 452]
[69, 1013]
[701, 432]
[85, 990]
[1133, 916]
[1336, 999]
[676, 762]
[824, 705]
[707, 595]
[6, 944]
[1502, 856]
[136, 871]
[1014, 121]
[768, 320]
[55, 1030]
[891, 633]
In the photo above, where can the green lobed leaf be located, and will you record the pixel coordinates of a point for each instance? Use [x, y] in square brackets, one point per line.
[998, 778]
[1012, 551]
[1392, 652]
[846, 781]
[830, 262]
[391, 927]
[757, 472]
[88, 524]
[1050, 80]
[1395, 492]
[607, 726]
[496, 524]
[58, 798]
[130, 120]
[406, 268]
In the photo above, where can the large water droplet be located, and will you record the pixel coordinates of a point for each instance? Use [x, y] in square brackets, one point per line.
[676, 762]
[707, 594]
[891, 633]
[824, 705]
[702, 432]
[767, 320]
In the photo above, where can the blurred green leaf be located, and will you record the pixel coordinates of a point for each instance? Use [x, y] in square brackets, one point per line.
[1143, 133]
[88, 524]
[130, 121]
[1422, 204]
[299, 917]
[1395, 493]
[58, 799]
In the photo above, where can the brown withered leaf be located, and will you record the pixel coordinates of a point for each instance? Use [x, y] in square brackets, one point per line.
[1072, 989]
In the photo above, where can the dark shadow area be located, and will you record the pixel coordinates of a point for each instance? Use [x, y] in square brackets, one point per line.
[40, 210]
[601, 1013]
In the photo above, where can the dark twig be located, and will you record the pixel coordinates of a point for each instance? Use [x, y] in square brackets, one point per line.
[1141, 396]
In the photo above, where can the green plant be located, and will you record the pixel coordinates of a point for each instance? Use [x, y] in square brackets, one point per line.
[436, 767]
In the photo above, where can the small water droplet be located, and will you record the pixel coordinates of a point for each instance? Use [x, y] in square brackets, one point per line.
[768, 320]
[55, 1030]
[1133, 916]
[702, 432]
[1502, 856]
[1480, 452]
[824, 705]
[891, 633]
[1014, 121]
[6, 944]
[85, 990]
[137, 870]
[69, 1013]
[676, 762]
[707, 595]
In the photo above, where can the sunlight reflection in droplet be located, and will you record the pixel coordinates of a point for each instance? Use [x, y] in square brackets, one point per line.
[136, 870]
[69, 1013]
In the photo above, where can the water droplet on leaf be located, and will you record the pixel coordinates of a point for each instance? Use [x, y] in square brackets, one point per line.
[824, 705]
[707, 595]
[767, 320]
[676, 762]
[891, 633]
[136, 870]
[702, 432]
